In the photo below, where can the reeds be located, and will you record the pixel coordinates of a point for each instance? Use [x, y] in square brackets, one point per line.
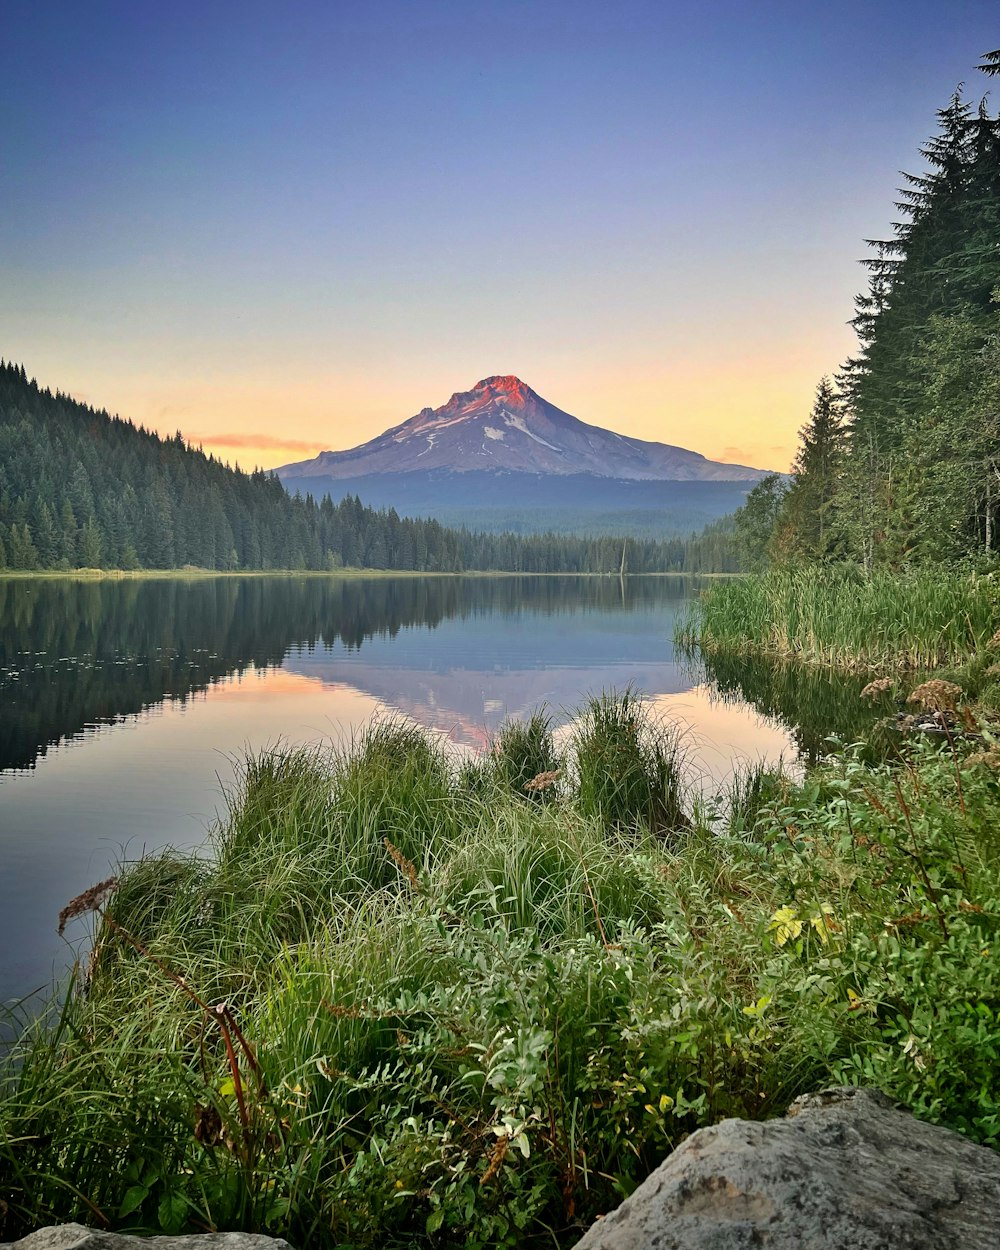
[846, 619]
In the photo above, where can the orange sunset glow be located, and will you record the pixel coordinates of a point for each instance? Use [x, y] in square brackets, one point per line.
[654, 223]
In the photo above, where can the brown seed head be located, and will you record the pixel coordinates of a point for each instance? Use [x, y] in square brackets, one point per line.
[404, 865]
[89, 900]
[497, 1156]
[542, 781]
[935, 695]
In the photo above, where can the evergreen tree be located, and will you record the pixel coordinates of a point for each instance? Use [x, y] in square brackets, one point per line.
[807, 524]
[22, 550]
[919, 475]
[756, 522]
[90, 545]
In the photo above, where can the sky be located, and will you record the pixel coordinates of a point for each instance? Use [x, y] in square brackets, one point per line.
[283, 228]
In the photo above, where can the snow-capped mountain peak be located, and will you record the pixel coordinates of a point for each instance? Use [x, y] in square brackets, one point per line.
[502, 425]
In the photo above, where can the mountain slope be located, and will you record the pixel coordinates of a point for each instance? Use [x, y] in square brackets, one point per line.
[79, 488]
[503, 426]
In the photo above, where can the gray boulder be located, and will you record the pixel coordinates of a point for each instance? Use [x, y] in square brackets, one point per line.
[845, 1170]
[76, 1237]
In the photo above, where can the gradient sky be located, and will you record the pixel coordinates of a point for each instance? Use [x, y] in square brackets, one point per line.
[283, 228]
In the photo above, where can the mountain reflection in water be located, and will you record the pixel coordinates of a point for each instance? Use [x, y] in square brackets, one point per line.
[126, 704]
[75, 654]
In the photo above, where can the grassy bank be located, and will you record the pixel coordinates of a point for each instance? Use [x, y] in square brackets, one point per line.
[408, 1003]
[844, 619]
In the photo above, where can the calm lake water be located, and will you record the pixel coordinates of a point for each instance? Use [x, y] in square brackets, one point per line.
[123, 705]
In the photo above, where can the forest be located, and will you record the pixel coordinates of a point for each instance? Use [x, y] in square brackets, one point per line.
[82, 489]
[899, 461]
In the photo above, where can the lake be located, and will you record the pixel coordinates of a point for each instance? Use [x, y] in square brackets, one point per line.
[124, 704]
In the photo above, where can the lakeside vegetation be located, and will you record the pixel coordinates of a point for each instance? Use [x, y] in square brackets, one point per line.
[412, 1002]
[843, 618]
[880, 554]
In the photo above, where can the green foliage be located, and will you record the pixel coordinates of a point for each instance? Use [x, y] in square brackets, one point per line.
[489, 1041]
[757, 521]
[750, 794]
[842, 618]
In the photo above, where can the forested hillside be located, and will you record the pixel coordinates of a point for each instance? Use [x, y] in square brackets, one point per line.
[79, 488]
[900, 462]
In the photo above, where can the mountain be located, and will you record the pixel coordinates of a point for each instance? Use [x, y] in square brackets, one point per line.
[502, 425]
[82, 489]
[500, 458]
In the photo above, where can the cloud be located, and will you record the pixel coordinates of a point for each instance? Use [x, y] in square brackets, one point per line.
[257, 442]
[732, 455]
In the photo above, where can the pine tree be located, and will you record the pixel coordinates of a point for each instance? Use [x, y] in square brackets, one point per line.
[22, 550]
[90, 545]
[807, 525]
[756, 522]
[920, 475]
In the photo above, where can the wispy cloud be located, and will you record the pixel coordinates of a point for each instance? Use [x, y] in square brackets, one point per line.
[771, 455]
[732, 455]
[258, 442]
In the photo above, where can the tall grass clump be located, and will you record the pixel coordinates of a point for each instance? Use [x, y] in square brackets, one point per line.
[553, 871]
[524, 750]
[386, 1010]
[627, 765]
[846, 618]
[392, 784]
[750, 794]
[522, 759]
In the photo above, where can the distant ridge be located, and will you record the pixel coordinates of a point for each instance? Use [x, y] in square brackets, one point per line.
[503, 426]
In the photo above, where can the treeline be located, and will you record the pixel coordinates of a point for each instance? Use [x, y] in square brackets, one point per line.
[82, 489]
[899, 460]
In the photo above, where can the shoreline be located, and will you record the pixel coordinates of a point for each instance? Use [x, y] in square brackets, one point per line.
[197, 574]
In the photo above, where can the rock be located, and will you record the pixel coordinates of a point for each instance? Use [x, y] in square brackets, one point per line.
[76, 1237]
[845, 1170]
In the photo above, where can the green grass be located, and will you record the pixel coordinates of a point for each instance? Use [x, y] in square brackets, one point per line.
[627, 766]
[404, 1003]
[845, 619]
